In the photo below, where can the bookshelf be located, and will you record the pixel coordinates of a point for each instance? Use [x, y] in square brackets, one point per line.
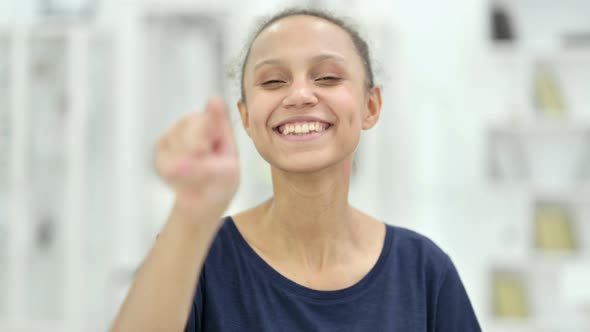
[539, 143]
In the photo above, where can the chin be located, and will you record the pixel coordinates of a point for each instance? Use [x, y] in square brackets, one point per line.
[306, 163]
[302, 168]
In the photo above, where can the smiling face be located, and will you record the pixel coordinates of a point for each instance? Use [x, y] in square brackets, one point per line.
[306, 96]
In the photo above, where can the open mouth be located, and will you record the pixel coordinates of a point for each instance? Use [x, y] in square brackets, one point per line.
[302, 128]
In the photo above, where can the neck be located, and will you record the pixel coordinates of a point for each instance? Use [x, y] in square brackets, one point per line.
[311, 216]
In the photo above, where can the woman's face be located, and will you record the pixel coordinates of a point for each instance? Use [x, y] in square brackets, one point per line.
[306, 97]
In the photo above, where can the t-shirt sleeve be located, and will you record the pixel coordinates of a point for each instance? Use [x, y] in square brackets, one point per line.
[194, 322]
[453, 309]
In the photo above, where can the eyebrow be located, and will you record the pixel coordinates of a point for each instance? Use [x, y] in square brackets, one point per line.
[315, 59]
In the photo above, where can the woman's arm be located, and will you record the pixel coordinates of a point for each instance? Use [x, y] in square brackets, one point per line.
[198, 160]
[161, 294]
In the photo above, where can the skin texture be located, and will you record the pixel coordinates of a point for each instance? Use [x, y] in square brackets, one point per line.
[306, 66]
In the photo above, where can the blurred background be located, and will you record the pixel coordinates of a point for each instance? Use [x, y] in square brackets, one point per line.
[483, 144]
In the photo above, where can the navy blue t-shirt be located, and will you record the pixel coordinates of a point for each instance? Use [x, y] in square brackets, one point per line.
[413, 287]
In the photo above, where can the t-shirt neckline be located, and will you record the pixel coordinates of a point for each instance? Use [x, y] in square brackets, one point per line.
[299, 290]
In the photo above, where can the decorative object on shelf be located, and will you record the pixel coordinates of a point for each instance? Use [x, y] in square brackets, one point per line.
[548, 97]
[509, 295]
[502, 28]
[553, 224]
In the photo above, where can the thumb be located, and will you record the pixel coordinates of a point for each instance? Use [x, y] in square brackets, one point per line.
[219, 125]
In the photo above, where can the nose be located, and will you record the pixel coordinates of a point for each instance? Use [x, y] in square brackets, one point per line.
[300, 95]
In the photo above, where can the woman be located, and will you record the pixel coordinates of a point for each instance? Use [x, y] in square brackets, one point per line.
[305, 260]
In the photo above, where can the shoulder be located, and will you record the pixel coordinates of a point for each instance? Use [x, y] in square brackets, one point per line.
[415, 252]
[226, 235]
[225, 256]
[422, 267]
[228, 245]
[432, 270]
[410, 241]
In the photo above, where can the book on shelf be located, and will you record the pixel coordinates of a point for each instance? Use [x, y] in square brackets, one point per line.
[509, 295]
[553, 224]
[548, 96]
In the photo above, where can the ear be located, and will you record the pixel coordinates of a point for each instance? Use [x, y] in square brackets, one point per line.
[244, 116]
[373, 109]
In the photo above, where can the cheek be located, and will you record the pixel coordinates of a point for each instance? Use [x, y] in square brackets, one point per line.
[256, 111]
[258, 116]
[262, 105]
[352, 102]
[354, 119]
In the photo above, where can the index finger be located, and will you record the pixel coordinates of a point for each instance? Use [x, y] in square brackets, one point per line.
[219, 123]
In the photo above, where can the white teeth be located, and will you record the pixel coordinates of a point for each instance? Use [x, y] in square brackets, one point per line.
[305, 128]
[302, 128]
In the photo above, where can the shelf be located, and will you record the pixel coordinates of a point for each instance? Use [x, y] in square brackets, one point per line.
[547, 154]
[542, 126]
[503, 50]
[551, 293]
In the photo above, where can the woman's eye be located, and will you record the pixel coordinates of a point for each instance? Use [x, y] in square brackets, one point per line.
[272, 82]
[328, 79]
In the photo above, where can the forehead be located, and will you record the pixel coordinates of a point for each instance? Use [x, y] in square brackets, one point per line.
[301, 36]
